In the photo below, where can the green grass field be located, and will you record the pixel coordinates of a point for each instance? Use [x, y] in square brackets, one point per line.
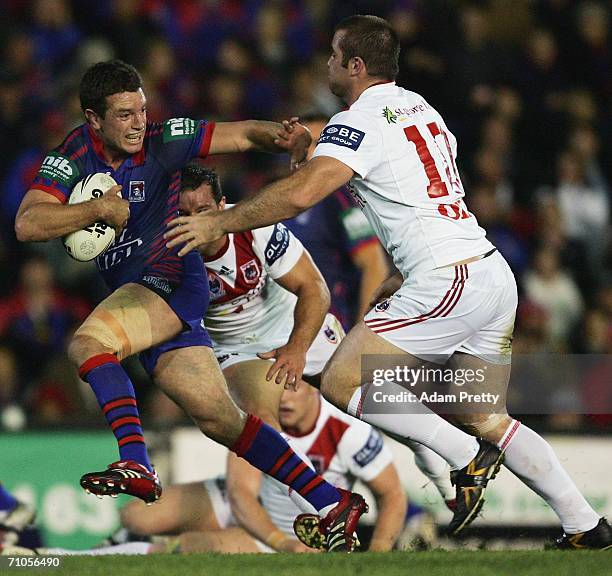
[437, 563]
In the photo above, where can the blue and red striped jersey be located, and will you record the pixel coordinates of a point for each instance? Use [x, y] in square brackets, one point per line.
[150, 181]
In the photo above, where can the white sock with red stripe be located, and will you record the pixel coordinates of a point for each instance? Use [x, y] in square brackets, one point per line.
[426, 427]
[533, 460]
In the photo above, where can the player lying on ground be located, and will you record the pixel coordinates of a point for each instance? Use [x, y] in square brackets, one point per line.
[454, 298]
[158, 298]
[254, 514]
[261, 514]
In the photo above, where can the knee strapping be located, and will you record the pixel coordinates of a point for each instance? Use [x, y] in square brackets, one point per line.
[125, 331]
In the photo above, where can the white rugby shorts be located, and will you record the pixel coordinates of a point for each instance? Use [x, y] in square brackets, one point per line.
[324, 345]
[468, 308]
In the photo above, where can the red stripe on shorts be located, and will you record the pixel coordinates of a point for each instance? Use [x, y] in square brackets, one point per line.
[380, 322]
[443, 309]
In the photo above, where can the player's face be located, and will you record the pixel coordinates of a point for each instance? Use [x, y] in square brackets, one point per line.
[298, 408]
[198, 201]
[122, 128]
[337, 75]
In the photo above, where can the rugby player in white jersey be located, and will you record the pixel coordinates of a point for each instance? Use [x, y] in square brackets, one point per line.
[268, 302]
[267, 314]
[253, 512]
[454, 297]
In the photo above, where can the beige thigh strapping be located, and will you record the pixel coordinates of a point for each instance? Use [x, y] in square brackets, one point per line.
[121, 323]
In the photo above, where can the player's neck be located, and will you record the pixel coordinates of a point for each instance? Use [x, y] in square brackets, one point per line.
[360, 87]
[114, 158]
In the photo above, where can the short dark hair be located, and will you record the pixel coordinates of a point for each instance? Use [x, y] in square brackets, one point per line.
[105, 79]
[194, 174]
[374, 41]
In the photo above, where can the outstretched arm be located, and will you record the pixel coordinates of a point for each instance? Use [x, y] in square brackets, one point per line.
[243, 483]
[287, 136]
[278, 201]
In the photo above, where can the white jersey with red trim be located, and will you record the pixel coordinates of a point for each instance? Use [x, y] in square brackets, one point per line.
[246, 306]
[341, 448]
[405, 177]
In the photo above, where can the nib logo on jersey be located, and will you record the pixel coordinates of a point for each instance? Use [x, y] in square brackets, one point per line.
[342, 136]
[56, 167]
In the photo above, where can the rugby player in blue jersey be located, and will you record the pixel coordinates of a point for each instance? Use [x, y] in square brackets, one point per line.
[158, 299]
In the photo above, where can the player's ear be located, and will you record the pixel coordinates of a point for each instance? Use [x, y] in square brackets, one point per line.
[93, 119]
[356, 65]
[221, 204]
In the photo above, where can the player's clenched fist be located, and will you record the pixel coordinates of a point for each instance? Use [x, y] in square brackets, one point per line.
[296, 139]
[114, 210]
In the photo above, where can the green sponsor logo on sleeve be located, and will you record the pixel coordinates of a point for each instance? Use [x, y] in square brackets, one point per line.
[356, 224]
[60, 168]
[178, 128]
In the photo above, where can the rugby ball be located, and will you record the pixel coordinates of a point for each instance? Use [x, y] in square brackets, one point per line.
[88, 243]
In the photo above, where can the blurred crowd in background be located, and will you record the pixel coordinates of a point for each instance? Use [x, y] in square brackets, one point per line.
[525, 86]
